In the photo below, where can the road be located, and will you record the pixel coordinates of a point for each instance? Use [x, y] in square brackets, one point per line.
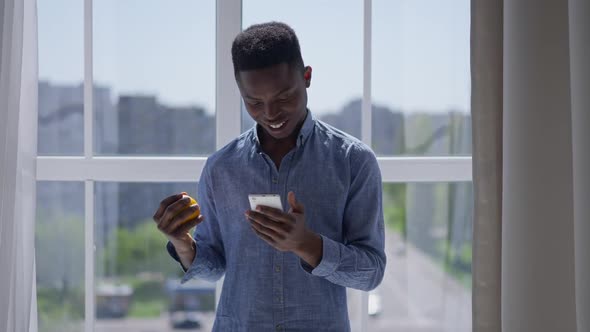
[160, 324]
[417, 295]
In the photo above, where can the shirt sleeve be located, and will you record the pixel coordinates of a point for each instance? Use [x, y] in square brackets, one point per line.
[209, 262]
[360, 261]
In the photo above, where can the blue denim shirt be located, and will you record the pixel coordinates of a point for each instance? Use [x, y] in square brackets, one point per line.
[337, 179]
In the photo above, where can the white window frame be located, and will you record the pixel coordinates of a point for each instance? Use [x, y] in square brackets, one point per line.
[89, 168]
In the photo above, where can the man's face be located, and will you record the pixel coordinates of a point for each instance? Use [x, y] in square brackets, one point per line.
[275, 97]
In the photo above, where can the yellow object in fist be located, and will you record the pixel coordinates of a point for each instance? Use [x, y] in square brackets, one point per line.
[191, 203]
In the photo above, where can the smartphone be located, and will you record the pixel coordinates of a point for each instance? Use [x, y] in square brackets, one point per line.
[270, 200]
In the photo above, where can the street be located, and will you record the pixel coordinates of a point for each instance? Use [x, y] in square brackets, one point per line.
[417, 295]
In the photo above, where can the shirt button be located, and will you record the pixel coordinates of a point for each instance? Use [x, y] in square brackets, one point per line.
[279, 327]
[277, 268]
[274, 180]
[279, 299]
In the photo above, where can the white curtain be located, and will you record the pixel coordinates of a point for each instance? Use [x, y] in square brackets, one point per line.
[538, 276]
[18, 152]
[545, 242]
[579, 25]
[544, 274]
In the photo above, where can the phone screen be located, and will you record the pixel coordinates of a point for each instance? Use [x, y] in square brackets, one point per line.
[270, 200]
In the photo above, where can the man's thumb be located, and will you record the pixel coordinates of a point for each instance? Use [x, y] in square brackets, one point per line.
[295, 205]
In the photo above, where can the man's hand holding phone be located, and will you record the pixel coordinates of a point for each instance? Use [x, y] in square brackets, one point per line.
[287, 231]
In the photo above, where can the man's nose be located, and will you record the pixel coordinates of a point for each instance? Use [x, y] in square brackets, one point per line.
[271, 111]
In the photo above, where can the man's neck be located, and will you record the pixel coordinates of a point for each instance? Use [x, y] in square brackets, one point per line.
[269, 143]
[276, 149]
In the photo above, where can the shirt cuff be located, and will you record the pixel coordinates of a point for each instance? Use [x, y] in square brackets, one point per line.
[172, 252]
[330, 259]
[205, 265]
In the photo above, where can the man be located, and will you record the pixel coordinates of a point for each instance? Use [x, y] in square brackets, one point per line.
[283, 270]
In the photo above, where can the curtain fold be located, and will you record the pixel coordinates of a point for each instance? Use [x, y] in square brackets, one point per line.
[486, 110]
[538, 275]
[579, 27]
[18, 152]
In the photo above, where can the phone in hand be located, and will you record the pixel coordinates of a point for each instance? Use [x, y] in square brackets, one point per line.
[270, 200]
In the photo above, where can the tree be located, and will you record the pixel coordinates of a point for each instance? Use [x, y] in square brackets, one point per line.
[137, 250]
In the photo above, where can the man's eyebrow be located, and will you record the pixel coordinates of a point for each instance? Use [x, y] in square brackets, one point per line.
[287, 89]
[250, 97]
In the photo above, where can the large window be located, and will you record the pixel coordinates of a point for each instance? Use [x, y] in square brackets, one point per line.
[59, 256]
[137, 286]
[61, 77]
[134, 95]
[420, 78]
[154, 69]
[427, 282]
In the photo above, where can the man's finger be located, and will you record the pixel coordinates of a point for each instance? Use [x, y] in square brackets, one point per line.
[275, 214]
[172, 211]
[190, 224]
[266, 231]
[296, 207]
[264, 237]
[180, 219]
[164, 204]
[278, 227]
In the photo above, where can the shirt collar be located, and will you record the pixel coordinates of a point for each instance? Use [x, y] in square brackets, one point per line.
[306, 129]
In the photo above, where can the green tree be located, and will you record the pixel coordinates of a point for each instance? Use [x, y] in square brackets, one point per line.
[394, 207]
[59, 250]
[137, 250]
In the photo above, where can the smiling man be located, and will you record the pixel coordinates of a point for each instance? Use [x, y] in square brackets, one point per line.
[284, 270]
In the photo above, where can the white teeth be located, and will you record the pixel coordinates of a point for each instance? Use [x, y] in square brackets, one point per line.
[277, 126]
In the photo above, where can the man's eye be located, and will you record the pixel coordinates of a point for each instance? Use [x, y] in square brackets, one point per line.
[255, 104]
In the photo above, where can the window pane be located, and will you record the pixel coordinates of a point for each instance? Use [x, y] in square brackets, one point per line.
[61, 71]
[331, 42]
[154, 70]
[137, 282]
[59, 251]
[427, 283]
[421, 78]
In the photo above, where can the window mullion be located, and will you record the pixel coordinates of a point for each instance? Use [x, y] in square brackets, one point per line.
[227, 95]
[366, 126]
[89, 298]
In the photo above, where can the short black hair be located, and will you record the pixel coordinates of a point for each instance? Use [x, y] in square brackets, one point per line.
[264, 45]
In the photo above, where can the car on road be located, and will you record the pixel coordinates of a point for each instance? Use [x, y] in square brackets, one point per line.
[113, 300]
[188, 302]
[374, 303]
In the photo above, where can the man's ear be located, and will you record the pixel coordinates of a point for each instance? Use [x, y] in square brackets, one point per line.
[307, 76]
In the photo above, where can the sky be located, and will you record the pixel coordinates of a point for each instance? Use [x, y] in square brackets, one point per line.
[420, 49]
